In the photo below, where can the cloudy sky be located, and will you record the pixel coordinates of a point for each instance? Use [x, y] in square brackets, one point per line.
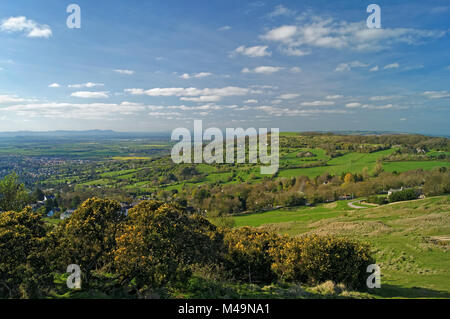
[157, 65]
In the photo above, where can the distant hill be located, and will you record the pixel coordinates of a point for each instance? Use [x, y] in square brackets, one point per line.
[80, 134]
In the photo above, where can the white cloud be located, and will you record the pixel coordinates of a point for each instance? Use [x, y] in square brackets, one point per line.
[203, 98]
[54, 85]
[295, 69]
[374, 69]
[290, 96]
[379, 107]
[187, 76]
[318, 103]
[280, 10]
[282, 34]
[436, 94]
[224, 28]
[392, 66]
[334, 97]
[85, 85]
[126, 72]
[276, 111]
[90, 95]
[383, 97]
[74, 110]
[263, 70]
[30, 27]
[11, 99]
[253, 52]
[343, 67]
[191, 92]
[332, 34]
[353, 104]
[294, 52]
[251, 101]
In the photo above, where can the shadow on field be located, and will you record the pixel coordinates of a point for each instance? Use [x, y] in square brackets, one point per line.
[391, 291]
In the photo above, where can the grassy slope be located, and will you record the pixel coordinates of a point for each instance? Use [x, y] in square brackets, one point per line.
[402, 234]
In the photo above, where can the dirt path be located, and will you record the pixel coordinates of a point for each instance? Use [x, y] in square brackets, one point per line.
[352, 204]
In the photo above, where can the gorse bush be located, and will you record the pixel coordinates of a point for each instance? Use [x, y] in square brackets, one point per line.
[24, 266]
[160, 243]
[248, 258]
[262, 257]
[159, 247]
[340, 260]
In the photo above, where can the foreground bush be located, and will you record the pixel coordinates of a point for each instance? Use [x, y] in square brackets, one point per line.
[248, 258]
[24, 268]
[262, 257]
[87, 238]
[157, 248]
[337, 259]
[160, 244]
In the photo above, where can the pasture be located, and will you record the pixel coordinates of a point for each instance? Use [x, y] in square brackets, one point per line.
[411, 239]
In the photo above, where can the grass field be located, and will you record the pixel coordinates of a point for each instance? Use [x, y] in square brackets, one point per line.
[351, 162]
[411, 240]
[408, 166]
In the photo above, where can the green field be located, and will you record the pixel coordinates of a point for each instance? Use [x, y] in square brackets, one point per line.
[410, 239]
[348, 163]
[413, 165]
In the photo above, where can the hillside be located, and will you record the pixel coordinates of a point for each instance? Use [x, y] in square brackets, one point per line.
[410, 239]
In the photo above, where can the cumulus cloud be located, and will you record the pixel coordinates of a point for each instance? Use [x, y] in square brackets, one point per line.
[85, 85]
[374, 69]
[295, 69]
[289, 96]
[436, 94]
[263, 70]
[318, 103]
[383, 97]
[193, 94]
[353, 104]
[253, 52]
[331, 34]
[203, 98]
[31, 28]
[187, 76]
[90, 95]
[126, 72]
[11, 99]
[344, 67]
[224, 28]
[277, 111]
[392, 66]
[74, 110]
[280, 10]
[334, 97]
[54, 85]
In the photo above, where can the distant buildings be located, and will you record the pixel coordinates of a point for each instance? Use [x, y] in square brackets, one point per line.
[392, 191]
[67, 214]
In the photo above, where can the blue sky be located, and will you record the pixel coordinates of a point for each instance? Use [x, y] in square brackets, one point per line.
[157, 65]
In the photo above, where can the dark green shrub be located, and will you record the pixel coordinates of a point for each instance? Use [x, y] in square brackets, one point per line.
[379, 200]
[407, 194]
